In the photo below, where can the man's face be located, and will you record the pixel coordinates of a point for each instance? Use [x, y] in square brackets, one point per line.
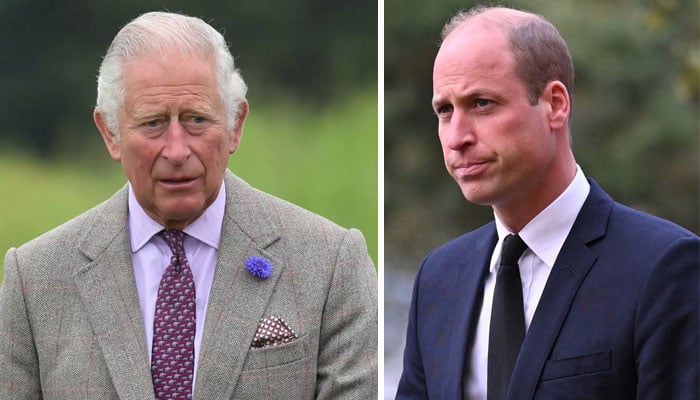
[173, 144]
[496, 145]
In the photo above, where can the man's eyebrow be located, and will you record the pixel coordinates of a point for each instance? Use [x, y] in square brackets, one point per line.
[437, 99]
[469, 95]
[201, 109]
[146, 114]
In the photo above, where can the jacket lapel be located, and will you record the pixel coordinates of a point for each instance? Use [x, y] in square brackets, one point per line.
[472, 265]
[573, 263]
[237, 299]
[107, 290]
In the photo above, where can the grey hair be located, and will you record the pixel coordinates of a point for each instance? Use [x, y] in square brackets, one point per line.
[157, 33]
[539, 51]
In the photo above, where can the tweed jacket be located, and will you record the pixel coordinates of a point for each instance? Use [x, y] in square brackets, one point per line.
[71, 326]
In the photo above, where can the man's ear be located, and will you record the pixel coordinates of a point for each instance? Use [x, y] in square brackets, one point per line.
[235, 134]
[108, 136]
[559, 105]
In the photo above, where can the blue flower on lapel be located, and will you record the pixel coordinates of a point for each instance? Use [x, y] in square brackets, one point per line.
[259, 266]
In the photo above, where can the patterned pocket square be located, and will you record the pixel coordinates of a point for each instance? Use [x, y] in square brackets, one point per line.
[273, 331]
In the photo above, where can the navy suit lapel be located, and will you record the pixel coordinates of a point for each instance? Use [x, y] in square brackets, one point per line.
[573, 263]
[460, 317]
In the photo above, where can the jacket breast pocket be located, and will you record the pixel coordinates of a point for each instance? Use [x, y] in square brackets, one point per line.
[272, 356]
[579, 365]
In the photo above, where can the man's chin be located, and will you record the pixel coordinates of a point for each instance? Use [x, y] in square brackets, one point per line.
[476, 193]
[178, 213]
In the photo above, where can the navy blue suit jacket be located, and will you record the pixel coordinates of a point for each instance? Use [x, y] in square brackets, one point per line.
[618, 318]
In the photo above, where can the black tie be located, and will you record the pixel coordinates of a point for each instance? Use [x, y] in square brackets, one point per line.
[507, 320]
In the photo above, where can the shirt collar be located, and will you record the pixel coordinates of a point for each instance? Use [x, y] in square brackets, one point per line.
[206, 228]
[545, 234]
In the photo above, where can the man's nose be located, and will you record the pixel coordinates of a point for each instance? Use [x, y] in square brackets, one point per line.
[460, 131]
[177, 147]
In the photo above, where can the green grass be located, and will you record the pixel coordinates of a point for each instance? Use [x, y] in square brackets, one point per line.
[324, 160]
[37, 196]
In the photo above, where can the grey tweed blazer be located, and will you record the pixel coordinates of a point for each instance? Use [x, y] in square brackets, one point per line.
[71, 325]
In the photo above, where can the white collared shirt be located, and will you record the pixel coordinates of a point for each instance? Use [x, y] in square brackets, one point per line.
[151, 256]
[544, 235]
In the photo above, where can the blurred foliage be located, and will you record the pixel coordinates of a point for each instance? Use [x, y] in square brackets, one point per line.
[310, 138]
[308, 51]
[634, 125]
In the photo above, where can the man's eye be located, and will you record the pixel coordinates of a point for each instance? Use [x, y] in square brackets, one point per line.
[195, 119]
[443, 109]
[153, 123]
[483, 102]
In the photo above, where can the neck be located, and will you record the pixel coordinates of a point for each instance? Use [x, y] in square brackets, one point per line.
[518, 212]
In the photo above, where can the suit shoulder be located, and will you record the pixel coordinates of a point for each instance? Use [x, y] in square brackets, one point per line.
[295, 213]
[459, 253]
[623, 223]
[305, 223]
[466, 243]
[635, 243]
[298, 232]
[644, 227]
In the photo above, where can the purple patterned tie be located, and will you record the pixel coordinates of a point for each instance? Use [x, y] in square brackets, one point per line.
[172, 358]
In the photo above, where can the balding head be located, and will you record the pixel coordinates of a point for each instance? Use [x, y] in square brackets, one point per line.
[502, 17]
[540, 54]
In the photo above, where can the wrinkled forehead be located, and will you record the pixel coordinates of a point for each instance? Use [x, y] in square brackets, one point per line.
[171, 59]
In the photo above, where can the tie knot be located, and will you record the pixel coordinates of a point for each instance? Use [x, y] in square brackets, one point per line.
[513, 248]
[175, 239]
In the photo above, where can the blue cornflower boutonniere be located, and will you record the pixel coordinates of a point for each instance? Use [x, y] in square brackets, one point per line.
[259, 266]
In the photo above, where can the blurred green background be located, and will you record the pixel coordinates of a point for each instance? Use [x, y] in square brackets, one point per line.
[310, 137]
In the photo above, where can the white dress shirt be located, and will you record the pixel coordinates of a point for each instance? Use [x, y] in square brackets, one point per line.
[151, 256]
[544, 235]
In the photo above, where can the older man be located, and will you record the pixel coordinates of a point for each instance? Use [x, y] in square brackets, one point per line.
[187, 283]
[568, 294]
